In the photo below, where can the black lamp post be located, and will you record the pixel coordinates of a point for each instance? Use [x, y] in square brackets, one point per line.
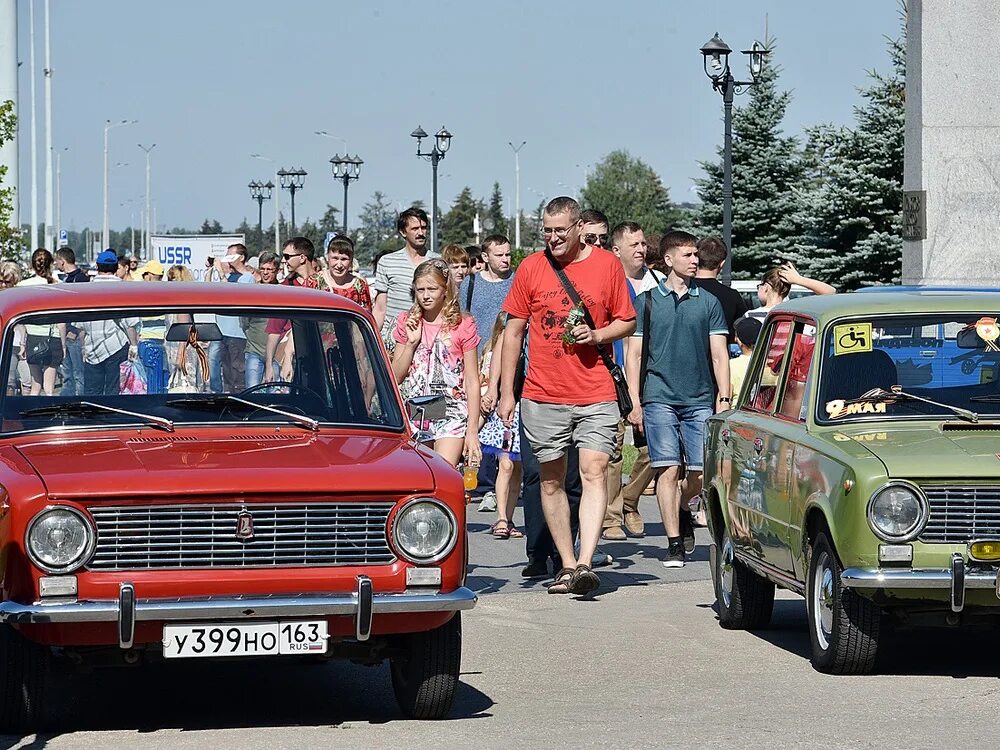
[442, 142]
[346, 169]
[716, 57]
[260, 192]
[292, 180]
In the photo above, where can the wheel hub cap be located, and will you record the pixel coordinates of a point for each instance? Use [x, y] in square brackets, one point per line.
[823, 595]
[726, 572]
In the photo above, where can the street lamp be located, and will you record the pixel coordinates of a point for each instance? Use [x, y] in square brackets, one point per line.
[442, 142]
[145, 242]
[277, 204]
[59, 154]
[346, 169]
[716, 60]
[108, 125]
[260, 192]
[292, 180]
[517, 192]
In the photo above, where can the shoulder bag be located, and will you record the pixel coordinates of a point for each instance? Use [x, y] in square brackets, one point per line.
[468, 292]
[617, 376]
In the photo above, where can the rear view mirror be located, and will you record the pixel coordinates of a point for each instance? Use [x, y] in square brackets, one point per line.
[204, 332]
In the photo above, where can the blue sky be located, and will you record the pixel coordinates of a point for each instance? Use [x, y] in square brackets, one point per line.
[213, 81]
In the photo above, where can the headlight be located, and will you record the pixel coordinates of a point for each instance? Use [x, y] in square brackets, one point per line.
[59, 539]
[424, 531]
[897, 512]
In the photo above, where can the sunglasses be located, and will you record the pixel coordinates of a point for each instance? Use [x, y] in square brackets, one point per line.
[289, 256]
[601, 240]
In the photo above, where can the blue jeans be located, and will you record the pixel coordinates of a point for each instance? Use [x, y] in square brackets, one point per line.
[675, 435]
[215, 366]
[254, 371]
[72, 368]
[104, 378]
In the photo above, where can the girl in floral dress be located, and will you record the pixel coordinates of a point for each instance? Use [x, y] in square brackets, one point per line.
[499, 440]
[436, 354]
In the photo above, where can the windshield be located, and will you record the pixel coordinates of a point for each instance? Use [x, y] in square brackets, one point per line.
[948, 358]
[180, 367]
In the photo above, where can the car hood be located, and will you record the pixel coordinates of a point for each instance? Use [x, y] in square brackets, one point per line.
[934, 450]
[249, 464]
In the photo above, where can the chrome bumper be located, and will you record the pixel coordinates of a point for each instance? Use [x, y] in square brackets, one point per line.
[956, 579]
[127, 610]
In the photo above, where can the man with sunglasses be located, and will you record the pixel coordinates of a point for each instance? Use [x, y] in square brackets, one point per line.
[595, 229]
[569, 398]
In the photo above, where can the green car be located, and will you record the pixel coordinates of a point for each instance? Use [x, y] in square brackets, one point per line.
[860, 468]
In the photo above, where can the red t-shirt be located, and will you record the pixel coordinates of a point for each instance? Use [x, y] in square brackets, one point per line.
[558, 374]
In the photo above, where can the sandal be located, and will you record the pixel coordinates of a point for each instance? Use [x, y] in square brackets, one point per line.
[500, 530]
[584, 580]
[516, 533]
[561, 585]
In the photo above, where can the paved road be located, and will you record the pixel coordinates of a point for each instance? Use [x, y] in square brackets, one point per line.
[642, 665]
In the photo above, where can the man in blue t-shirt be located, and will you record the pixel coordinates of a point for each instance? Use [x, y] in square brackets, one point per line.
[482, 294]
[683, 380]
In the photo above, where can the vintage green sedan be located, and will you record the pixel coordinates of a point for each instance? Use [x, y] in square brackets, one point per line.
[860, 468]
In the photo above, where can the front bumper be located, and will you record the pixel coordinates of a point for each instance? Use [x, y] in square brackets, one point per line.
[956, 579]
[127, 610]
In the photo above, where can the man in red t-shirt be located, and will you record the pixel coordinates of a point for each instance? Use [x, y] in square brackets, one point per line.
[569, 397]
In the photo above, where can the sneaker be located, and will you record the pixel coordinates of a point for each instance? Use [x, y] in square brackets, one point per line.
[614, 534]
[687, 531]
[536, 569]
[489, 503]
[675, 556]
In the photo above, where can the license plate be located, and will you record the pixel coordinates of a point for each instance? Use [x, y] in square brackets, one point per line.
[281, 638]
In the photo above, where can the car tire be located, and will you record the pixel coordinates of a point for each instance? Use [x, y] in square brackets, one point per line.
[843, 626]
[425, 671]
[24, 677]
[745, 599]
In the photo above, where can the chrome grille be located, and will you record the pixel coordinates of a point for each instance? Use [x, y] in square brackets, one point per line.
[204, 536]
[961, 513]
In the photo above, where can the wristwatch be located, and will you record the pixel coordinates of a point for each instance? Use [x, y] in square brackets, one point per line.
[725, 400]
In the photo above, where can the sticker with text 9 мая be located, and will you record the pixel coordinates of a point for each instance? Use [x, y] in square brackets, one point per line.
[852, 338]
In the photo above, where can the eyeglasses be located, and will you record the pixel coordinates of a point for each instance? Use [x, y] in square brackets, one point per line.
[268, 269]
[601, 240]
[558, 231]
[289, 256]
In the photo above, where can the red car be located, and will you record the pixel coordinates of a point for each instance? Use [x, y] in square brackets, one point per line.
[182, 507]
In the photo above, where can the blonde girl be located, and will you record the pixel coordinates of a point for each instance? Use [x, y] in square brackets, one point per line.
[435, 354]
[499, 440]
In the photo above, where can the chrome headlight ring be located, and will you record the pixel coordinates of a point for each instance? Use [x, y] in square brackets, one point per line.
[922, 515]
[79, 560]
[444, 551]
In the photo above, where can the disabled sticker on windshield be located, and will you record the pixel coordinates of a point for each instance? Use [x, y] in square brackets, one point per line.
[852, 338]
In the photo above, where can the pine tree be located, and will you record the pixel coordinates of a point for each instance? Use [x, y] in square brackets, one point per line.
[376, 228]
[212, 226]
[496, 222]
[627, 189]
[767, 169]
[457, 224]
[851, 209]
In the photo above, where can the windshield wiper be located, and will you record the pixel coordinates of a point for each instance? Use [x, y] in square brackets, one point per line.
[993, 398]
[897, 394]
[88, 408]
[213, 402]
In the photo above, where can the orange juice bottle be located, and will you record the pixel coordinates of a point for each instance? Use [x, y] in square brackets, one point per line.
[471, 478]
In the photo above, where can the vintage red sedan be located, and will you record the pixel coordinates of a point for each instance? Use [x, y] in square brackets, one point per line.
[194, 501]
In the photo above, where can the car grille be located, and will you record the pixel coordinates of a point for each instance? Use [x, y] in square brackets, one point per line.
[205, 536]
[961, 513]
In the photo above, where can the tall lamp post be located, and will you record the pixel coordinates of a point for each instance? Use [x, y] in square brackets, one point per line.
[346, 169]
[716, 60]
[145, 241]
[517, 192]
[277, 203]
[442, 142]
[292, 180]
[260, 192]
[108, 125]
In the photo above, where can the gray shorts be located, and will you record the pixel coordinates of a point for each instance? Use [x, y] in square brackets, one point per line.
[553, 428]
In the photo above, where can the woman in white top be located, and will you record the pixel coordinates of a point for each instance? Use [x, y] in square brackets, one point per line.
[773, 289]
[42, 346]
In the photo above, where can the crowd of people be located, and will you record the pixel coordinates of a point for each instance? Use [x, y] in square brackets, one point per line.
[543, 370]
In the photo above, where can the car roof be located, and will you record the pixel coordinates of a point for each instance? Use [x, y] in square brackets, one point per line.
[163, 294]
[824, 307]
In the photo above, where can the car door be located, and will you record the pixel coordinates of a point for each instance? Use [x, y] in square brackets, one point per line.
[759, 477]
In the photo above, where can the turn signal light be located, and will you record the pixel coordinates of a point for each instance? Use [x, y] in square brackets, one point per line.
[985, 551]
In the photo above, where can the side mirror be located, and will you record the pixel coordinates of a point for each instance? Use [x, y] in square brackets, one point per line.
[425, 409]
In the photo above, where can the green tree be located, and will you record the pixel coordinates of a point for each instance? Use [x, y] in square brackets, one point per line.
[628, 189]
[851, 209]
[767, 171]
[11, 242]
[457, 224]
[496, 221]
[212, 226]
[376, 230]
